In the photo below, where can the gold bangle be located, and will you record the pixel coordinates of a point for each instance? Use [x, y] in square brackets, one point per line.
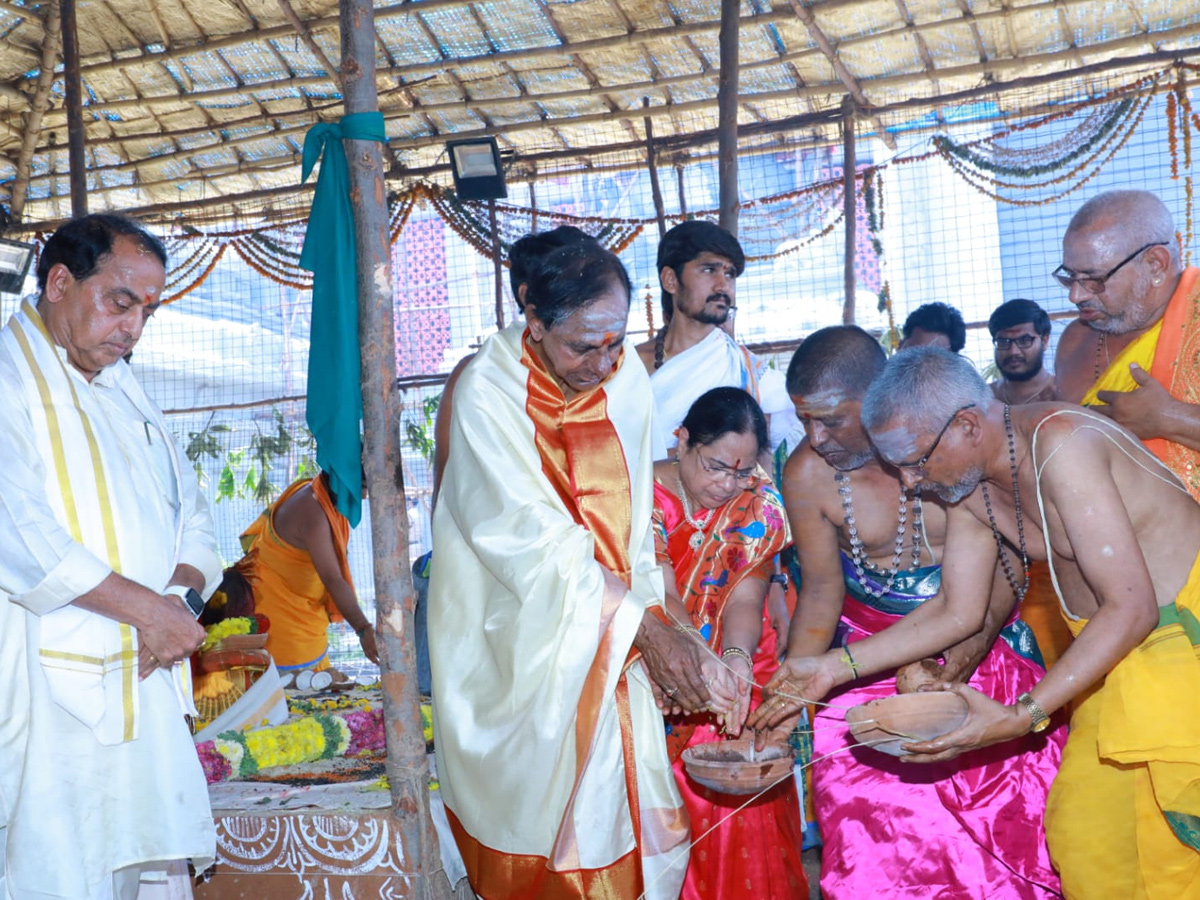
[738, 651]
[849, 660]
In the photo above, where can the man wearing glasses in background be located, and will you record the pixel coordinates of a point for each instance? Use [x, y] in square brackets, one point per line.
[1131, 354]
[1020, 331]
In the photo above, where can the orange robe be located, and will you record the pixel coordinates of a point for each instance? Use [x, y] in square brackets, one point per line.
[287, 588]
[1170, 352]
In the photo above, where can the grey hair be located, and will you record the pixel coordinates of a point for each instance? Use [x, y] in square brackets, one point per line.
[1138, 215]
[923, 386]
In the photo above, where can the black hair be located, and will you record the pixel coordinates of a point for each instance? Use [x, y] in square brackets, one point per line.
[82, 243]
[1019, 312]
[722, 411]
[570, 278]
[685, 242]
[527, 252]
[939, 318]
[842, 356]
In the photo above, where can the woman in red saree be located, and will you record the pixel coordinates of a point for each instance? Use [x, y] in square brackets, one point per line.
[719, 524]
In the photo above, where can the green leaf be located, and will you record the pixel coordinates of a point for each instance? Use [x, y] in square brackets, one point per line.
[225, 484]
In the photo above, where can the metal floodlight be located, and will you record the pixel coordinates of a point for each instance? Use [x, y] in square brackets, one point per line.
[477, 170]
[15, 258]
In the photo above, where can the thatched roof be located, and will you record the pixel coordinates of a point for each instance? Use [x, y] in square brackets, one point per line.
[188, 101]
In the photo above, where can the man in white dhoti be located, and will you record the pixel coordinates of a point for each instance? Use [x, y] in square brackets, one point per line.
[107, 551]
[546, 622]
[698, 266]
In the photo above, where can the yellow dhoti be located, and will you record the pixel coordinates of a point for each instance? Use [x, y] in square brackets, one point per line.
[1123, 816]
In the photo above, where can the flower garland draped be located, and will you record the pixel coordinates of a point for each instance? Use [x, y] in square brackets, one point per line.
[1054, 170]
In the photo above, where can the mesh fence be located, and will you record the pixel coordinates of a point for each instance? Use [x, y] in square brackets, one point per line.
[970, 210]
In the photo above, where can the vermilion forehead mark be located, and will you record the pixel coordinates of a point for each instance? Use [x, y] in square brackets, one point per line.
[609, 336]
[737, 463]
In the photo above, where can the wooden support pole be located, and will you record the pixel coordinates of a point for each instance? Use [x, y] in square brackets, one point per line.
[660, 210]
[37, 109]
[73, 97]
[497, 264]
[727, 113]
[395, 599]
[850, 198]
[682, 193]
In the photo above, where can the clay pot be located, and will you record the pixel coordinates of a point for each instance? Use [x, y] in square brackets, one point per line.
[887, 723]
[727, 767]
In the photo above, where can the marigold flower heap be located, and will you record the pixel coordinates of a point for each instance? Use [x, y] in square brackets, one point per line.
[238, 754]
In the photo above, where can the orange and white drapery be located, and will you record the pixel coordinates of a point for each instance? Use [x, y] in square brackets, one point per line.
[551, 753]
[1170, 352]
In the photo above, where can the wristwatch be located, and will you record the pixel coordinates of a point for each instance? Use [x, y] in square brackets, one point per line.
[190, 596]
[1041, 721]
[780, 579]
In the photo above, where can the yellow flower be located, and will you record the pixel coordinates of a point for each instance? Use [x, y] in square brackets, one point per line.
[223, 629]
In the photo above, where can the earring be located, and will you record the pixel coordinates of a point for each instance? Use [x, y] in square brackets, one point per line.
[1158, 281]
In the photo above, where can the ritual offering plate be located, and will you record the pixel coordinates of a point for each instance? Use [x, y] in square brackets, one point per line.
[887, 723]
[242, 642]
[733, 767]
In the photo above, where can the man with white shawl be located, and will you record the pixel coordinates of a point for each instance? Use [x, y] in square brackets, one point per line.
[698, 265]
[544, 592]
[107, 549]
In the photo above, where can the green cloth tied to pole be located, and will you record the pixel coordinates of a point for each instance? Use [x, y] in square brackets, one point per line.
[334, 411]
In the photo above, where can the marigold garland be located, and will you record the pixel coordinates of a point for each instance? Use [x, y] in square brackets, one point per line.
[225, 628]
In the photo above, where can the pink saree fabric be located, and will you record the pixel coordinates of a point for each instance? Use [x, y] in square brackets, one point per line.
[753, 853]
[969, 828]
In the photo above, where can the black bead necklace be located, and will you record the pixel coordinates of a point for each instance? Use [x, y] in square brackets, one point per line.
[1022, 588]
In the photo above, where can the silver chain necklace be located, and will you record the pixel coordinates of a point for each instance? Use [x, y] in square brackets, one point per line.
[858, 551]
[698, 538]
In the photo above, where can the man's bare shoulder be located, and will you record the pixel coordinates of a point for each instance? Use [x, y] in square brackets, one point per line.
[1074, 337]
[1065, 428]
[645, 352]
[807, 477]
[296, 517]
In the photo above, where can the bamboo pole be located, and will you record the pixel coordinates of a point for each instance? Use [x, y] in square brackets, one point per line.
[74, 103]
[406, 766]
[849, 172]
[41, 100]
[497, 266]
[727, 116]
[306, 36]
[660, 210]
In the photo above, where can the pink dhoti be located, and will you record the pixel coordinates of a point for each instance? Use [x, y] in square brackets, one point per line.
[969, 828]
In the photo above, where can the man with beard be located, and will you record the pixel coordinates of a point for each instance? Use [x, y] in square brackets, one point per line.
[698, 266]
[1131, 353]
[1020, 331]
[1122, 537]
[870, 553]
